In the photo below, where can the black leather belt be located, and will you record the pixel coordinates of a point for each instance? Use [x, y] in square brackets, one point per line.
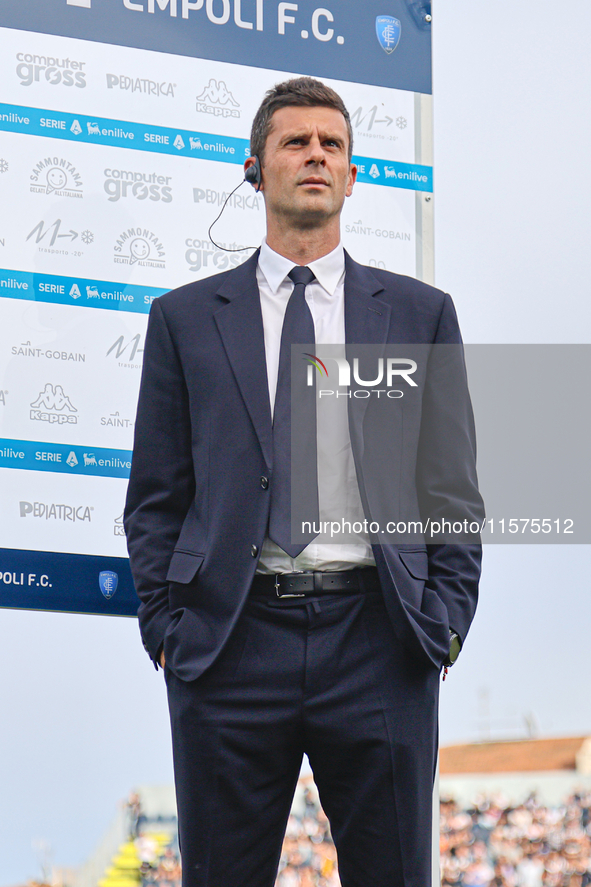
[309, 584]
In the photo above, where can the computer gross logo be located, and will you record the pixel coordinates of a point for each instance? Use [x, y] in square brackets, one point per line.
[123, 183]
[139, 246]
[54, 406]
[57, 177]
[216, 99]
[33, 68]
[202, 254]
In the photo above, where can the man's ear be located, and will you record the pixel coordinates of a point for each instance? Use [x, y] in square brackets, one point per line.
[352, 180]
[253, 172]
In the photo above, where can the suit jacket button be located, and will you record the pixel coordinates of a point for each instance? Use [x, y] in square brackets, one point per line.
[264, 482]
[254, 550]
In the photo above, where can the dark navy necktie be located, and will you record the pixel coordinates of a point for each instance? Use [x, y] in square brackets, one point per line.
[294, 491]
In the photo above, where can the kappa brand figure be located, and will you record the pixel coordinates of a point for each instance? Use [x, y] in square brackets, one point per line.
[273, 648]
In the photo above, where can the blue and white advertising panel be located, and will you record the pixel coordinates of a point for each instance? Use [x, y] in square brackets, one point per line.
[124, 125]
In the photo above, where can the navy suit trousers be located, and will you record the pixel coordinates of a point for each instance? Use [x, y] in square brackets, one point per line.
[328, 678]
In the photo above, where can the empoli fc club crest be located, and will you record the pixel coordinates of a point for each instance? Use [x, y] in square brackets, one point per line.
[388, 31]
[108, 581]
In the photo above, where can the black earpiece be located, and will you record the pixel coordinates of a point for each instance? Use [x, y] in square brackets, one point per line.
[253, 174]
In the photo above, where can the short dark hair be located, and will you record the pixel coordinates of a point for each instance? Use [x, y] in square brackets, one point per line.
[299, 92]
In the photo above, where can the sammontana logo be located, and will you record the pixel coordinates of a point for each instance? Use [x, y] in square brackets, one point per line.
[56, 176]
[139, 246]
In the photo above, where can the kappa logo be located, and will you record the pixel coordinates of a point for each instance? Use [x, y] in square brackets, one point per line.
[139, 246]
[118, 528]
[54, 406]
[216, 99]
[56, 176]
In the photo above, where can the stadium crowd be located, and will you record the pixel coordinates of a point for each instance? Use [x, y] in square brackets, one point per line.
[494, 844]
[489, 844]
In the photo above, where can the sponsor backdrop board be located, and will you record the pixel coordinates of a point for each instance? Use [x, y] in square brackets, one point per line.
[114, 161]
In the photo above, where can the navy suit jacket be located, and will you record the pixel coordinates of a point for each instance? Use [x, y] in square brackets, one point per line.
[196, 512]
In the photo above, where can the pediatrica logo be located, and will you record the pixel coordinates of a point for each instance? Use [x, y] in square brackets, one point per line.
[47, 69]
[57, 177]
[139, 246]
[140, 84]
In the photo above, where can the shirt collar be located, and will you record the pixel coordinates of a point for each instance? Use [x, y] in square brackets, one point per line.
[328, 269]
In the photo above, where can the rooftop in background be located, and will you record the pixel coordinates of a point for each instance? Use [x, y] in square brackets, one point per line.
[564, 753]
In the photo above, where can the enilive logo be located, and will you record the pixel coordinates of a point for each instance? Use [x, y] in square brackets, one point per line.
[56, 511]
[140, 84]
[217, 99]
[143, 186]
[38, 68]
[56, 176]
[139, 246]
[53, 406]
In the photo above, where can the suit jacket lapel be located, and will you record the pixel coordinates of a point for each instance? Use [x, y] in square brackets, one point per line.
[367, 321]
[240, 324]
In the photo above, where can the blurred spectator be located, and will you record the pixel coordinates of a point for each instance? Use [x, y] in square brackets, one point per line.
[490, 844]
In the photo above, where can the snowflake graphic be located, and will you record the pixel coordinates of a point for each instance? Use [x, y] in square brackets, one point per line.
[401, 122]
[87, 237]
[3, 165]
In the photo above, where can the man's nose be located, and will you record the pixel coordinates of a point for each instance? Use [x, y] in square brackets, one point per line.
[316, 152]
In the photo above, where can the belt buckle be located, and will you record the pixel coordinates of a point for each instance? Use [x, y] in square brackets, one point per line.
[277, 586]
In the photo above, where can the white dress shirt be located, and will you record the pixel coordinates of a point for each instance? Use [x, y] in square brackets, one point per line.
[338, 491]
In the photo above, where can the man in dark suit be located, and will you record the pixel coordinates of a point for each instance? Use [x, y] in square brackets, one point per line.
[275, 646]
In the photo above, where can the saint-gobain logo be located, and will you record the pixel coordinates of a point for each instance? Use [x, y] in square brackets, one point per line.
[139, 246]
[108, 582]
[53, 406]
[57, 177]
